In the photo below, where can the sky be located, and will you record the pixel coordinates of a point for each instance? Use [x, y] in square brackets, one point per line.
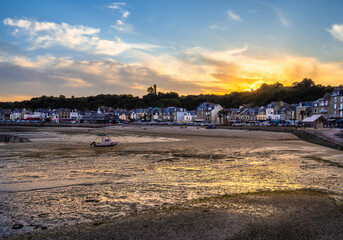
[89, 47]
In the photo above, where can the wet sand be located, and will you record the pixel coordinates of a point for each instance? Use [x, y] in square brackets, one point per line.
[203, 184]
[303, 214]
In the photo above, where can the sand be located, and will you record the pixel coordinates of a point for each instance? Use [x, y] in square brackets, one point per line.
[279, 215]
[309, 206]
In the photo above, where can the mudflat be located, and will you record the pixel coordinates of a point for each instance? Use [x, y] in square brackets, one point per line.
[285, 215]
[169, 183]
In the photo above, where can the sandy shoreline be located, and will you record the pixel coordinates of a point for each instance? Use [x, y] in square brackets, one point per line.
[332, 138]
[273, 204]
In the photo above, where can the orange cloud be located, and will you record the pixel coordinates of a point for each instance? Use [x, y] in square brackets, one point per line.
[235, 70]
[197, 71]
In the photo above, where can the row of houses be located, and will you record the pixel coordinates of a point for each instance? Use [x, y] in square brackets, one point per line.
[39, 114]
[330, 107]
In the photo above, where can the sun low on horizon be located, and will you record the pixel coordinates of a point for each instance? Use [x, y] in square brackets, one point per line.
[83, 48]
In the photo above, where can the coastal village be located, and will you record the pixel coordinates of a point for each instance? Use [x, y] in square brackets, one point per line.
[324, 112]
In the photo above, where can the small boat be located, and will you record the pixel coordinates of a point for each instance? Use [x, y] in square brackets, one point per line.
[105, 142]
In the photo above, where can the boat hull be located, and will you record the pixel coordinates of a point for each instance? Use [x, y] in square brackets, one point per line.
[104, 145]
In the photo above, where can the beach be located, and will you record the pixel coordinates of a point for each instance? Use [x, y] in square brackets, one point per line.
[169, 183]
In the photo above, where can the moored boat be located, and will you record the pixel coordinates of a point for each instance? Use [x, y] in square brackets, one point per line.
[105, 142]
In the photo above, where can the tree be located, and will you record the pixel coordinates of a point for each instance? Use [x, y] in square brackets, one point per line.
[224, 115]
[302, 91]
[152, 90]
[145, 117]
[305, 83]
[168, 95]
[302, 114]
[220, 116]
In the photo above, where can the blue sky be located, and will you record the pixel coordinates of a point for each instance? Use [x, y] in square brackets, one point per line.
[89, 47]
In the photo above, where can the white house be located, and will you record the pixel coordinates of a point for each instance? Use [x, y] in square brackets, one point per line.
[74, 114]
[179, 114]
[15, 115]
[208, 112]
[189, 116]
[273, 108]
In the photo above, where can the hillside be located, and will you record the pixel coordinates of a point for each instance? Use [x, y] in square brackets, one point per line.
[306, 90]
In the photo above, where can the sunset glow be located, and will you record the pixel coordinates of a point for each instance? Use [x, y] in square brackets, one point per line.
[218, 47]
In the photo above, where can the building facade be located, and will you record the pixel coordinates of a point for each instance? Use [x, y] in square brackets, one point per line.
[335, 108]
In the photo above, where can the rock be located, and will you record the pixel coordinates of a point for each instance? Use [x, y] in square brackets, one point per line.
[43, 215]
[35, 226]
[17, 226]
[98, 223]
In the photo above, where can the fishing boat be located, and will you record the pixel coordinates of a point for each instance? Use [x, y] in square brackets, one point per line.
[105, 142]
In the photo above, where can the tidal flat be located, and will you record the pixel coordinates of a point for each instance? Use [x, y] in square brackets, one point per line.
[172, 178]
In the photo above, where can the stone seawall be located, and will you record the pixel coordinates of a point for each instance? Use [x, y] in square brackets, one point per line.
[312, 138]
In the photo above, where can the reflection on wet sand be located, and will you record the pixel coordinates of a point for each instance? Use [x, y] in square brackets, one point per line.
[7, 138]
[47, 182]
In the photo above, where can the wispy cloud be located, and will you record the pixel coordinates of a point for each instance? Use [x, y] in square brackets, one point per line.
[120, 24]
[215, 27]
[336, 31]
[279, 14]
[81, 38]
[123, 27]
[120, 7]
[234, 16]
[126, 14]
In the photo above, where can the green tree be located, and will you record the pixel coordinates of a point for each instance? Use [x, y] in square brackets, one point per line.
[305, 83]
[303, 91]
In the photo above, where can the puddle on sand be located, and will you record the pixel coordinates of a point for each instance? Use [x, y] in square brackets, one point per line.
[77, 138]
